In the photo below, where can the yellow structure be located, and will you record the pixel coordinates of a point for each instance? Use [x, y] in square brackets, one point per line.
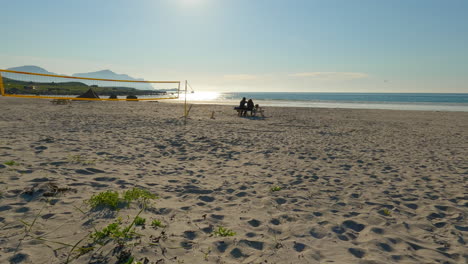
[3, 92]
[2, 89]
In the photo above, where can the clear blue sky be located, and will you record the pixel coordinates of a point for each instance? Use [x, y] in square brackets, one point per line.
[248, 45]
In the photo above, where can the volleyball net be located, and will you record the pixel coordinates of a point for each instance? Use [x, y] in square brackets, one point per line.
[48, 86]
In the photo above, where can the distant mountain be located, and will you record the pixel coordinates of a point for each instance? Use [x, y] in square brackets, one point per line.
[108, 74]
[104, 74]
[31, 68]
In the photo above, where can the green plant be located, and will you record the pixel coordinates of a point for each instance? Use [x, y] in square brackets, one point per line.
[109, 199]
[112, 231]
[11, 163]
[113, 200]
[156, 223]
[206, 253]
[275, 188]
[224, 232]
[140, 221]
[137, 194]
[387, 212]
[106, 232]
[129, 261]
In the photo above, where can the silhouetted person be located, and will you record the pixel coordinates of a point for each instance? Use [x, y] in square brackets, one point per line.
[242, 106]
[250, 107]
[242, 103]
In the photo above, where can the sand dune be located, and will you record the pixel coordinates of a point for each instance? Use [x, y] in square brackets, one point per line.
[353, 186]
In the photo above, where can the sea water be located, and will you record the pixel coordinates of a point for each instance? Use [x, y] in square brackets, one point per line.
[395, 101]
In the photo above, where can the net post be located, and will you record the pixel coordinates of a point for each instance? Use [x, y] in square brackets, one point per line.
[2, 88]
[185, 104]
[178, 91]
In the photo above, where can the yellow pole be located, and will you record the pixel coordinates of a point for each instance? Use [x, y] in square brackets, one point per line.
[185, 104]
[178, 91]
[2, 89]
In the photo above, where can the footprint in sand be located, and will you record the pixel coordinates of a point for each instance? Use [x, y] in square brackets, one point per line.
[186, 245]
[353, 225]
[237, 253]
[241, 194]
[435, 216]
[207, 199]
[358, 253]
[190, 235]
[385, 247]
[250, 234]
[107, 179]
[319, 234]
[221, 246]
[275, 221]
[18, 258]
[253, 244]
[254, 223]
[47, 216]
[40, 180]
[440, 224]
[217, 217]
[411, 206]
[280, 201]
[377, 230]
[5, 208]
[22, 210]
[299, 247]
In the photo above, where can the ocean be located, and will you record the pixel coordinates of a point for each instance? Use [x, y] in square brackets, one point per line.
[393, 101]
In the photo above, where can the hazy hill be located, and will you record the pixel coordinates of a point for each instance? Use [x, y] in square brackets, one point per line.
[104, 74]
[108, 74]
[31, 68]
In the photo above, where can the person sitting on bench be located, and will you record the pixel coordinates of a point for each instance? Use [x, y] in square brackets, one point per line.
[242, 107]
[250, 107]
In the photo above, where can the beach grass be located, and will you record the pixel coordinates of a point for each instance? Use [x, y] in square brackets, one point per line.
[224, 232]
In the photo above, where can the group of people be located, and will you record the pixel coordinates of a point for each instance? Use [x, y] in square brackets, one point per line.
[246, 106]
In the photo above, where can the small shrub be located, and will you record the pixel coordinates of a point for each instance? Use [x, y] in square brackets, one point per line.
[156, 223]
[275, 189]
[11, 163]
[137, 194]
[224, 232]
[113, 200]
[109, 199]
[112, 231]
[140, 221]
[387, 212]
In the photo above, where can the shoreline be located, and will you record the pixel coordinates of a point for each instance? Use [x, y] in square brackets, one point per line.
[455, 107]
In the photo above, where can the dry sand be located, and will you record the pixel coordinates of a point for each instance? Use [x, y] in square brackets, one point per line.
[357, 186]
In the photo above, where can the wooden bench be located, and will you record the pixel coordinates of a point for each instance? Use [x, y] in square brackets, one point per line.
[253, 112]
[61, 101]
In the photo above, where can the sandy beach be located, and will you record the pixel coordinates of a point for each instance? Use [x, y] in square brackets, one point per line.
[302, 185]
